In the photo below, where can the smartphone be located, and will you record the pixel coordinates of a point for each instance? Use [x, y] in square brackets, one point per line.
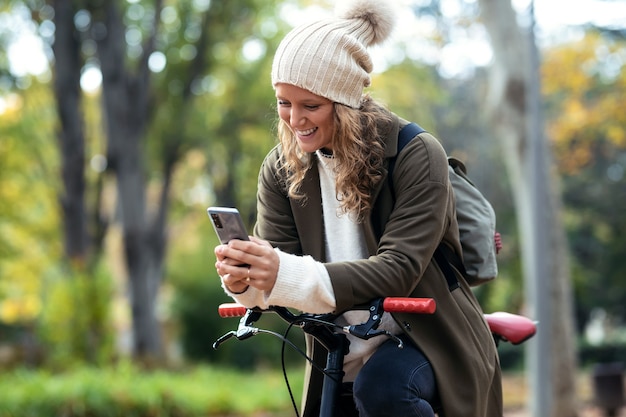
[227, 223]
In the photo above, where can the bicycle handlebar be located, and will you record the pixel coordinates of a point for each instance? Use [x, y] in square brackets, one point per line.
[409, 305]
[390, 305]
[322, 326]
[512, 328]
[231, 310]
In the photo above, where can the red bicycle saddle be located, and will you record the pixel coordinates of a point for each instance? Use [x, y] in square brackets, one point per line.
[510, 327]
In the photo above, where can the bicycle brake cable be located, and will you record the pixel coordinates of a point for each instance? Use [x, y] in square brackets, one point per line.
[284, 367]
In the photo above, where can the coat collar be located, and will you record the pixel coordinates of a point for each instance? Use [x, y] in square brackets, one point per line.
[391, 137]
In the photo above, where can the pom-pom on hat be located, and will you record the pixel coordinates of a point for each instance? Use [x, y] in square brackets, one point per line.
[329, 57]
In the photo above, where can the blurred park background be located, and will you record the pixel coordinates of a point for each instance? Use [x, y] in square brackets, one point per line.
[121, 121]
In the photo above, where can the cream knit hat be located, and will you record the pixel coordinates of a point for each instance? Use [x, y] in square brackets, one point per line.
[329, 57]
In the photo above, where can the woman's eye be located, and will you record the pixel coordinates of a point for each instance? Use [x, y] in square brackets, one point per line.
[283, 103]
[312, 106]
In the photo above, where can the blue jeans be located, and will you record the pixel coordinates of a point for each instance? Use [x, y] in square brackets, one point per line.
[396, 382]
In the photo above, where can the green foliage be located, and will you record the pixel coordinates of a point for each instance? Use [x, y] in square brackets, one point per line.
[596, 229]
[29, 219]
[587, 130]
[76, 320]
[590, 355]
[126, 391]
[411, 90]
[511, 357]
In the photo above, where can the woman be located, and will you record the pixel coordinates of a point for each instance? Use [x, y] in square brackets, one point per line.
[330, 235]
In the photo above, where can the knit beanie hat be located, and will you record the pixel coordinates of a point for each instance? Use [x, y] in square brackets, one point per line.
[329, 57]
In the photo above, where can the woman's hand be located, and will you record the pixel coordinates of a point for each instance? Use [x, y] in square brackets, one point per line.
[243, 263]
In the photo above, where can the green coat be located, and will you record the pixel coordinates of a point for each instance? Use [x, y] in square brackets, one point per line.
[401, 239]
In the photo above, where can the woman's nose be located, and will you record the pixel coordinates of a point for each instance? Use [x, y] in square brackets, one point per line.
[296, 117]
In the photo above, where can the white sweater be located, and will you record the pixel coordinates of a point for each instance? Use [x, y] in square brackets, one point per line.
[304, 283]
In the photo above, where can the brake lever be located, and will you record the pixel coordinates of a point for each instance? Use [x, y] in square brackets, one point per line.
[222, 339]
[244, 330]
[369, 329]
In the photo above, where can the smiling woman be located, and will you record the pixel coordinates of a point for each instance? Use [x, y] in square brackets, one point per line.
[330, 236]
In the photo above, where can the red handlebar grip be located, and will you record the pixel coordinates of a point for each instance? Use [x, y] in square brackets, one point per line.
[231, 310]
[409, 305]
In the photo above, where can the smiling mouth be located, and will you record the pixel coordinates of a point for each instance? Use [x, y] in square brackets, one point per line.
[307, 132]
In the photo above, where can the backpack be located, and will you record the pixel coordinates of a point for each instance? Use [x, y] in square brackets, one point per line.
[477, 224]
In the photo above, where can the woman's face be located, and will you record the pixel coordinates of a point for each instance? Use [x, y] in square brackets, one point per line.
[309, 116]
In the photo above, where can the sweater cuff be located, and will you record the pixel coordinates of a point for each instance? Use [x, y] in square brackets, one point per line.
[302, 283]
[249, 298]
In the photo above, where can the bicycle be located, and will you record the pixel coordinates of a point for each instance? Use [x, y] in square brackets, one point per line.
[505, 327]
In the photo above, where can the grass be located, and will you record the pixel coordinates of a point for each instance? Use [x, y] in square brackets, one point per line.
[128, 391]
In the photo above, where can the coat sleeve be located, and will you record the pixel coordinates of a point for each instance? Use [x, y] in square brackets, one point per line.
[418, 221]
[275, 219]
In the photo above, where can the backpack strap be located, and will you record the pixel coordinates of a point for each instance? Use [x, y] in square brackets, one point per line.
[407, 133]
[444, 255]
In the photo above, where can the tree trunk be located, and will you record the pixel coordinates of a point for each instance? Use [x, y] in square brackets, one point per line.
[67, 92]
[126, 103]
[515, 114]
[82, 248]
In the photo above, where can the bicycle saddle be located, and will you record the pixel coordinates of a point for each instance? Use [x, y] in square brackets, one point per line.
[512, 328]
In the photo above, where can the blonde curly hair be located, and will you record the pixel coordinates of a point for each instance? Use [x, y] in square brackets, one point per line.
[358, 147]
